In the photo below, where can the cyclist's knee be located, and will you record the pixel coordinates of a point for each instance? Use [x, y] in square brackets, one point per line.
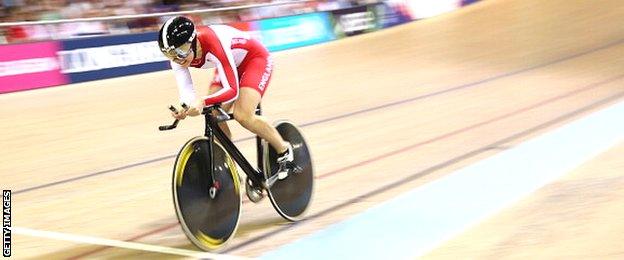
[243, 117]
[245, 107]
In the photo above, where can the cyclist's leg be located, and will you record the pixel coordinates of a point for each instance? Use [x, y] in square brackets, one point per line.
[255, 78]
[244, 113]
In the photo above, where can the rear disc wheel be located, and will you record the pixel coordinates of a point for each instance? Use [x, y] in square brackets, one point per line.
[291, 196]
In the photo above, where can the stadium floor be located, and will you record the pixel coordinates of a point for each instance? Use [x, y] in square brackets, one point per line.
[399, 108]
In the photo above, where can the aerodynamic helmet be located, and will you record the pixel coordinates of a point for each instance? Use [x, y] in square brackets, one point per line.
[176, 37]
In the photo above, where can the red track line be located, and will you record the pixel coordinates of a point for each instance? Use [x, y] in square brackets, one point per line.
[468, 128]
[402, 150]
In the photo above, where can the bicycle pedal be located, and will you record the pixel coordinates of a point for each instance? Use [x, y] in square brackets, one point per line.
[270, 181]
[282, 175]
[293, 168]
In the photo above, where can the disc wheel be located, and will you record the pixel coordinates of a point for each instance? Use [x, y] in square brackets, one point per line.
[291, 196]
[209, 222]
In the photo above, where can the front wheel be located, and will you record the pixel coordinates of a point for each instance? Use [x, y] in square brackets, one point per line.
[209, 221]
[291, 196]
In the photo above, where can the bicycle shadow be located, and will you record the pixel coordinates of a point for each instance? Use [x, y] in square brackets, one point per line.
[247, 229]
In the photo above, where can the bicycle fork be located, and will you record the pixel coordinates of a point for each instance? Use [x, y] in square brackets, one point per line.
[208, 153]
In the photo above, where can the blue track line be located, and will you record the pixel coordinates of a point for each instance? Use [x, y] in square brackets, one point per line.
[419, 220]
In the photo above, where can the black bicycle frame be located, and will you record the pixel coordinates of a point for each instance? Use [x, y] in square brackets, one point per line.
[213, 130]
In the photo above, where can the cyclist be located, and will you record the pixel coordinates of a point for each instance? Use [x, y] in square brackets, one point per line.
[243, 70]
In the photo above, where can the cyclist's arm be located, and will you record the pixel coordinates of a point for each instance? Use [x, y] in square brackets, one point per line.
[185, 84]
[224, 63]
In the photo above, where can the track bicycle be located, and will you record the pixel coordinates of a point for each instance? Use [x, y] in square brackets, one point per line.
[207, 188]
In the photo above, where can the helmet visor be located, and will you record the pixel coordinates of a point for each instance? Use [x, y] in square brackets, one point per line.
[179, 53]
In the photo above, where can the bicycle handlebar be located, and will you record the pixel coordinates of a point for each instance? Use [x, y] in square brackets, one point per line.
[175, 122]
[169, 127]
[224, 116]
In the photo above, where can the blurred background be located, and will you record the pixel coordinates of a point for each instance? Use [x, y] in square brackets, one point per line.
[50, 10]
[84, 40]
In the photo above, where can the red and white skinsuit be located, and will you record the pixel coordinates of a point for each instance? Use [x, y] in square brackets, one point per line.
[240, 61]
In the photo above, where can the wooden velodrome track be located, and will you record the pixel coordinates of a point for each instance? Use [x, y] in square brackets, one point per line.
[383, 112]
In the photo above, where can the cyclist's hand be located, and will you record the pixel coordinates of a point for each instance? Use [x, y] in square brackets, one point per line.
[180, 114]
[196, 109]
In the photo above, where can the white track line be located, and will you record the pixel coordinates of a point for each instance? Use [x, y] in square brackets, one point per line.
[121, 244]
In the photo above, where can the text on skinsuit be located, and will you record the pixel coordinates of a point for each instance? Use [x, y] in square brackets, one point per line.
[266, 74]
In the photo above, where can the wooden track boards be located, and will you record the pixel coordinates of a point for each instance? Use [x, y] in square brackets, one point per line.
[383, 113]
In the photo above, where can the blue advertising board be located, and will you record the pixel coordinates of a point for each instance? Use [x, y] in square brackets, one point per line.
[390, 14]
[94, 58]
[295, 31]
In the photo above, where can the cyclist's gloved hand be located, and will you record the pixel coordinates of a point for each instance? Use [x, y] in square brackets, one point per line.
[179, 111]
[196, 109]
[180, 114]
